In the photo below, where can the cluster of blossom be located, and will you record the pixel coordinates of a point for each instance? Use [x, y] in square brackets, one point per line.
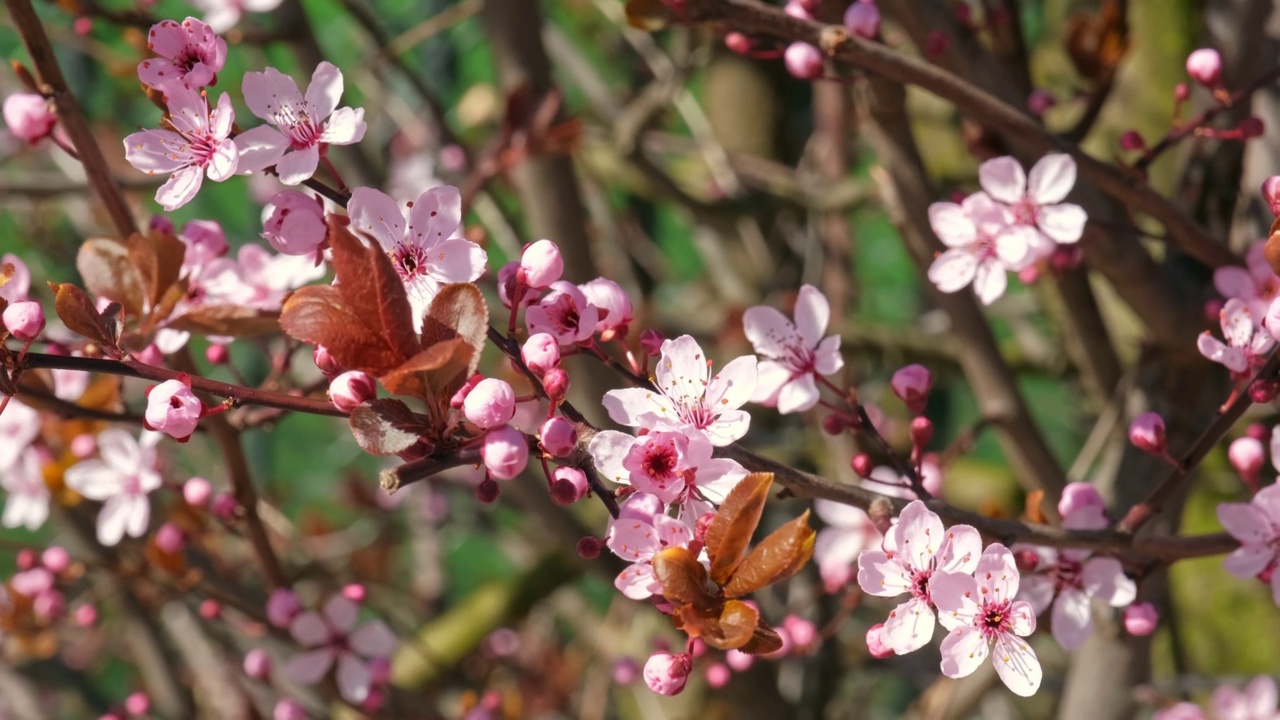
[1256, 702]
[1250, 317]
[805, 61]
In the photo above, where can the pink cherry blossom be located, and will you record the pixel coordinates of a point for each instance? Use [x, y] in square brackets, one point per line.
[1256, 702]
[189, 53]
[492, 402]
[296, 224]
[803, 60]
[1255, 283]
[1205, 66]
[564, 313]
[173, 409]
[29, 116]
[689, 396]
[1256, 524]
[19, 425]
[24, 320]
[863, 19]
[1180, 711]
[982, 246]
[198, 145]
[667, 674]
[19, 283]
[849, 531]
[300, 127]
[425, 245]
[673, 466]
[916, 549]
[27, 501]
[640, 532]
[332, 637]
[1247, 342]
[541, 264]
[120, 478]
[222, 15]
[613, 304]
[794, 353]
[1035, 201]
[980, 613]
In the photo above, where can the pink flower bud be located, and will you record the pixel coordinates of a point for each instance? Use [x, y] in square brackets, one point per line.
[717, 675]
[217, 354]
[161, 224]
[556, 383]
[1131, 140]
[288, 709]
[805, 62]
[24, 320]
[28, 116]
[541, 264]
[296, 225]
[25, 559]
[666, 674]
[173, 409]
[557, 436]
[936, 44]
[1205, 66]
[1271, 193]
[589, 548]
[150, 355]
[379, 670]
[257, 664]
[460, 396]
[1213, 309]
[1263, 391]
[1251, 127]
[1246, 456]
[921, 431]
[912, 384]
[876, 644]
[225, 506]
[84, 445]
[862, 465]
[33, 580]
[48, 605]
[325, 362]
[1079, 498]
[210, 609]
[355, 592]
[834, 423]
[625, 671]
[1257, 431]
[1039, 101]
[540, 353]
[282, 607]
[351, 389]
[863, 19]
[614, 306]
[1181, 92]
[1140, 618]
[651, 342]
[169, 539]
[85, 616]
[55, 559]
[490, 403]
[738, 660]
[488, 491]
[1147, 433]
[796, 9]
[137, 704]
[197, 491]
[738, 42]
[1028, 275]
[802, 632]
[505, 452]
[507, 283]
[1026, 560]
[702, 526]
[568, 485]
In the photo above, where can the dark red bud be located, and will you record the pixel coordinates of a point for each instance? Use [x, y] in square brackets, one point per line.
[488, 491]
[862, 464]
[834, 423]
[589, 548]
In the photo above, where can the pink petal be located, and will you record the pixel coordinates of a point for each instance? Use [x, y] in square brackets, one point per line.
[341, 613]
[1249, 560]
[1072, 620]
[436, 216]
[840, 515]
[224, 161]
[637, 407]
[909, 627]
[608, 449]
[1213, 349]
[156, 151]
[960, 551]
[454, 261]
[882, 576]
[298, 165]
[952, 225]
[638, 582]
[632, 540]
[839, 546]
[113, 519]
[157, 72]
[1022, 618]
[953, 270]
[222, 117]
[167, 39]
[728, 428]
[997, 572]
[260, 148]
[344, 127]
[1234, 282]
[717, 477]
[1245, 522]
[731, 388]
[1268, 498]
[266, 92]
[373, 640]
[353, 679]
[188, 110]
[827, 358]
[1003, 179]
[180, 188]
[309, 629]
[990, 281]
[1017, 665]
[798, 395]
[813, 312]
[377, 215]
[682, 370]
[119, 449]
[94, 479]
[963, 651]
[325, 89]
[137, 512]
[1237, 323]
[1260, 696]
[1104, 579]
[918, 535]
[308, 668]
[1063, 223]
[768, 330]
[771, 376]
[953, 594]
[1016, 246]
[1037, 590]
[1051, 179]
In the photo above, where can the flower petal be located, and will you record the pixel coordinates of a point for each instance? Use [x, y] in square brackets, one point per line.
[1051, 179]
[267, 91]
[374, 213]
[882, 576]
[354, 678]
[373, 640]
[325, 89]
[346, 126]
[260, 148]
[813, 312]
[436, 216]
[953, 270]
[457, 260]
[1063, 223]
[298, 165]
[990, 281]
[1072, 619]
[1104, 579]
[909, 627]
[1017, 665]
[307, 668]
[963, 651]
[952, 225]
[341, 614]
[309, 629]
[1003, 179]
[768, 330]
[180, 188]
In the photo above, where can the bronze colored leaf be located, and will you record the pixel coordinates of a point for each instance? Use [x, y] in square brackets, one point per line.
[6, 273]
[734, 524]
[415, 377]
[778, 557]
[1272, 249]
[317, 314]
[458, 310]
[385, 426]
[737, 625]
[369, 284]
[697, 623]
[78, 313]
[109, 272]
[684, 580]
[763, 641]
[157, 257]
[647, 15]
[233, 320]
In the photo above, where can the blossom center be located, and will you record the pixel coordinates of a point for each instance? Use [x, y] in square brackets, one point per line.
[1067, 575]
[410, 260]
[920, 585]
[202, 148]
[995, 618]
[300, 124]
[1024, 212]
[660, 462]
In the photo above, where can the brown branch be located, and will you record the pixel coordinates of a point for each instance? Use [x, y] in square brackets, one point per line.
[54, 86]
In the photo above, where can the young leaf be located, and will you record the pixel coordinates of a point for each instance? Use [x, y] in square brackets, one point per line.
[385, 426]
[778, 557]
[420, 374]
[233, 320]
[157, 257]
[763, 641]
[683, 578]
[78, 313]
[317, 314]
[737, 625]
[109, 272]
[458, 310]
[734, 524]
[369, 284]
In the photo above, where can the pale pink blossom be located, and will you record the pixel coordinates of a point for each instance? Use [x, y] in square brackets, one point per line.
[1180, 711]
[121, 478]
[198, 145]
[296, 223]
[981, 614]
[916, 550]
[794, 354]
[19, 425]
[1247, 342]
[849, 531]
[689, 396]
[27, 501]
[1035, 201]
[982, 246]
[222, 15]
[564, 313]
[189, 53]
[673, 466]
[173, 409]
[268, 278]
[1256, 524]
[863, 19]
[1140, 619]
[300, 127]
[638, 533]
[29, 116]
[492, 402]
[20, 283]
[1255, 283]
[1256, 702]
[332, 637]
[425, 245]
[541, 264]
[615, 314]
[1205, 66]
[351, 389]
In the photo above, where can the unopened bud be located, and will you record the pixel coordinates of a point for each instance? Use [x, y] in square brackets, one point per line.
[921, 431]
[1205, 66]
[1039, 101]
[282, 607]
[325, 361]
[717, 675]
[540, 353]
[1271, 193]
[487, 492]
[169, 539]
[352, 389]
[55, 559]
[197, 491]
[1181, 92]
[137, 704]
[862, 465]
[24, 320]
[492, 402]
[210, 609]
[589, 548]
[1263, 391]
[1257, 431]
[876, 644]
[257, 664]
[541, 264]
[1147, 433]
[217, 354]
[803, 60]
[1026, 560]
[834, 423]
[225, 506]
[738, 42]
[912, 384]
[1213, 309]
[1251, 127]
[557, 436]
[1131, 141]
[1140, 618]
[505, 452]
[556, 383]
[863, 19]
[568, 485]
[667, 674]
[460, 397]
[1246, 455]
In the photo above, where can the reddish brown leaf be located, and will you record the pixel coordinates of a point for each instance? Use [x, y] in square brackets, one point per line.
[416, 376]
[647, 15]
[109, 272]
[734, 524]
[385, 426]
[1035, 513]
[317, 314]
[157, 256]
[1272, 249]
[233, 320]
[78, 313]
[777, 557]
[457, 311]
[369, 284]
[6, 273]
[684, 580]
[697, 623]
[763, 641]
[737, 624]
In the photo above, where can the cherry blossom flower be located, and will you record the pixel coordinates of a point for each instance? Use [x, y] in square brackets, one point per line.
[982, 246]
[1036, 201]
[1180, 711]
[794, 353]
[849, 531]
[640, 532]
[295, 225]
[564, 313]
[916, 549]
[173, 409]
[689, 396]
[1255, 283]
[189, 53]
[614, 307]
[222, 15]
[1256, 702]
[27, 504]
[1256, 524]
[675, 467]
[121, 478]
[29, 116]
[427, 251]
[19, 283]
[198, 145]
[667, 674]
[1075, 578]
[333, 637]
[300, 127]
[19, 425]
[980, 613]
[1247, 342]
